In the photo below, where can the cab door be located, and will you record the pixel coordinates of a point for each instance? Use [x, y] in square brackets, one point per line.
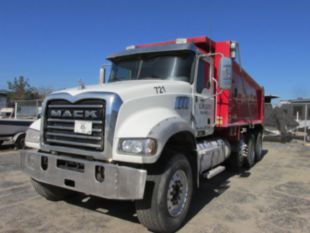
[204, 98]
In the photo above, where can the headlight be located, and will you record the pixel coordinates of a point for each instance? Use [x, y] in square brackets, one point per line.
[144, 146]
[32, 136]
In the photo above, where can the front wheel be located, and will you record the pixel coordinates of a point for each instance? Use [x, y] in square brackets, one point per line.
[167, 197]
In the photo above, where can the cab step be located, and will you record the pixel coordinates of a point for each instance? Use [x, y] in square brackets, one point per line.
[213, 172]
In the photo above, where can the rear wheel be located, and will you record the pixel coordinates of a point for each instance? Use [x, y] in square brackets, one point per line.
[167, 200]
[236, 159]
[51, 192]
[250, 156]
[259, 146]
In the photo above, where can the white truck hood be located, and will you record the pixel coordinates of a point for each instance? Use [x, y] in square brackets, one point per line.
[129, 90]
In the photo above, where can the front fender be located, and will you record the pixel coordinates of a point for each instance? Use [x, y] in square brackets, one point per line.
[140, 119]
[165, 129]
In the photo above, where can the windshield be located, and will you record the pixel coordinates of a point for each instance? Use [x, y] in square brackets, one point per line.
[164, 67]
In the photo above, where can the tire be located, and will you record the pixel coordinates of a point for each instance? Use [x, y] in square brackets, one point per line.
[51, 192]
[237, 157]
[167, 198]
[259, 146]
[250, 156]
[20, 142]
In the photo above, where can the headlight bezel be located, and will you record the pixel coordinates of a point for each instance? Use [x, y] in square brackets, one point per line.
[148, 146]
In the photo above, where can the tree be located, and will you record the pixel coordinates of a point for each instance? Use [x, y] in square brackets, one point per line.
[20, 89]
[44, 91]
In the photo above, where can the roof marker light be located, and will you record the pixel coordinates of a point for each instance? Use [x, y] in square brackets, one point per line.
[233, 45]
[233, 48]
[181, 41]
[130, 47]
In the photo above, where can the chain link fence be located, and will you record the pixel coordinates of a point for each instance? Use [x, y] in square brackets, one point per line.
[28, 109]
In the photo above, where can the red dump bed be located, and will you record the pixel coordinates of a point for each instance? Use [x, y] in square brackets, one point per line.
[243, 104]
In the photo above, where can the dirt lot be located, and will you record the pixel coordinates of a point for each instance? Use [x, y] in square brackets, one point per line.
[274, 196]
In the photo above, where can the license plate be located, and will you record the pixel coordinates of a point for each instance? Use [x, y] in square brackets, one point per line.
[83, 127]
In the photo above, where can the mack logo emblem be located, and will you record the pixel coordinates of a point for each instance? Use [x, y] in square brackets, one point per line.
[86, 114]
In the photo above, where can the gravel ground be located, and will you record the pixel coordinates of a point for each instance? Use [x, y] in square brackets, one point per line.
[274, 196]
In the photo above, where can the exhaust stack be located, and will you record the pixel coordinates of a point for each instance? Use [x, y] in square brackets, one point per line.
[102, 75]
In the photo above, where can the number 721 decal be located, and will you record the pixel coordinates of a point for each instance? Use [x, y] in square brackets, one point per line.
[160, 90]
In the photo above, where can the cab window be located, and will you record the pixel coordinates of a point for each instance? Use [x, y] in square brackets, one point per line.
[203, 76]
[200, 85]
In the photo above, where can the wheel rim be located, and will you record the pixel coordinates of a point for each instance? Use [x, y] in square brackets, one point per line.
[177, 195]
[243, 148]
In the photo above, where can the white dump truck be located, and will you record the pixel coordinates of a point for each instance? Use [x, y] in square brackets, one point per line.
[169, 114]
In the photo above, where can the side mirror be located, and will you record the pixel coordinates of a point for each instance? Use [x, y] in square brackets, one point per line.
[102, 75]
[226, 72]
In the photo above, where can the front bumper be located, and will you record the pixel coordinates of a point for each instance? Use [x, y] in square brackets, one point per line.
[120, 182]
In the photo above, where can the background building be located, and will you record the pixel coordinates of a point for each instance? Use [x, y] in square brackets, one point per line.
[297, 108]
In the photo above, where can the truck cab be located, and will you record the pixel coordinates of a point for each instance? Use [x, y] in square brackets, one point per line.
[157, 124]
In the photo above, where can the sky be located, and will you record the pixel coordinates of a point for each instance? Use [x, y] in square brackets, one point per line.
[55, 43]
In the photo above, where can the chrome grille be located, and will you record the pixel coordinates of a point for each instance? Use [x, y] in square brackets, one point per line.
[60, 117]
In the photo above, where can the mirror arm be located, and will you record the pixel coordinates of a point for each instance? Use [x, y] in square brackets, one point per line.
[216, 86]
[216, 94]
[210, 54]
